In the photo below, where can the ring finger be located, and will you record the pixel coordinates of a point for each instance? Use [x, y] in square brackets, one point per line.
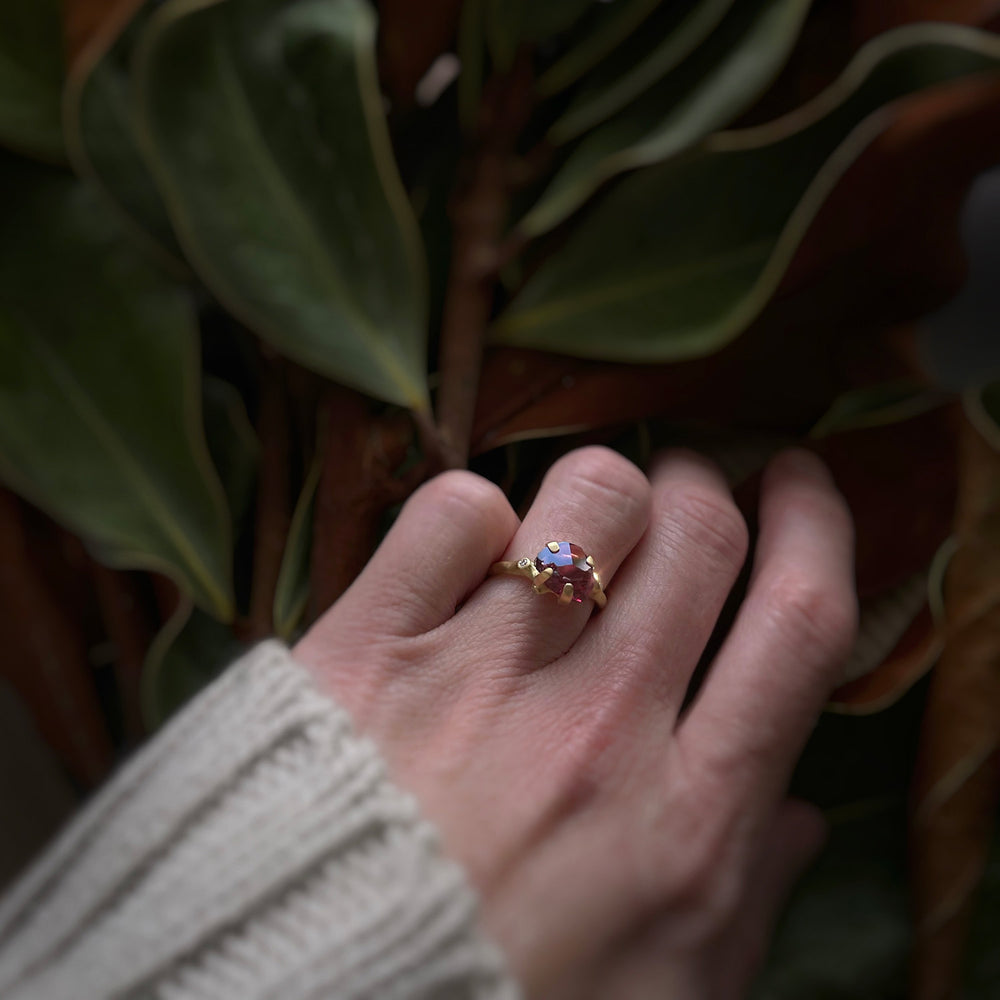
[592, 497]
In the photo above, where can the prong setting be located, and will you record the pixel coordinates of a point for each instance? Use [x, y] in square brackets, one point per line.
[562, 569]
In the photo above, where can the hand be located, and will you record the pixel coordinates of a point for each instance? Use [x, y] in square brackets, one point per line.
[622, 848]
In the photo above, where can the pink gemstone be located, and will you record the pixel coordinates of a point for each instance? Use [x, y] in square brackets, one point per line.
[571, 566]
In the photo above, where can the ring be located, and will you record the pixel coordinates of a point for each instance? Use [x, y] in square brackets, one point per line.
[561, 568]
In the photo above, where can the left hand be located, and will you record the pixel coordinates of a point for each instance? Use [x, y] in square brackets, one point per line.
[623, 848]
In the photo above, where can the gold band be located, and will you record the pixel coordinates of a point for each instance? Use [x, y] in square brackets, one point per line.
[540, 578]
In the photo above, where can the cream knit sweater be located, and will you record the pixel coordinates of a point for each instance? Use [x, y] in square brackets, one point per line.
[254, 849]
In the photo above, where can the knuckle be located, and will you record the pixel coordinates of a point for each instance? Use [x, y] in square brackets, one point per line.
[722, 895]
[712, 525]
[709, 889]
[807, 610]
[603, 475]
[699, 854]
[466, 499]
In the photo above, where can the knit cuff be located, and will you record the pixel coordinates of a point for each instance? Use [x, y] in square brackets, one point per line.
[255, 848]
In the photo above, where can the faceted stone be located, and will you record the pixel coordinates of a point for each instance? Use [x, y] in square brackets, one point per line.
[571, 566]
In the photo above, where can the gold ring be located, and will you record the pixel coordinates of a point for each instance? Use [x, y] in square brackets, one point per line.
[561, 568]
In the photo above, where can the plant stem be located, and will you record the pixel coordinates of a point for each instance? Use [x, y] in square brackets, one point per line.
[478, 214]
[273, 500]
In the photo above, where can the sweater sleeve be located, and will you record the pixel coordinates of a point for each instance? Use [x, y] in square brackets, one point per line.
[253, 849]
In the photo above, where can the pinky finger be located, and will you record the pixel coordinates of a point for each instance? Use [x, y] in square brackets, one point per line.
[763, 693]
[787, 849]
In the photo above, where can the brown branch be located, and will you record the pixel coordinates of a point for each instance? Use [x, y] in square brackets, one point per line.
[358, 484]
[46, 655]
[344, 519]
[479, 214]
[273, 498]
[124, 617]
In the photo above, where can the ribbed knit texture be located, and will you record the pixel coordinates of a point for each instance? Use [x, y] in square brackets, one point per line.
[253, 849]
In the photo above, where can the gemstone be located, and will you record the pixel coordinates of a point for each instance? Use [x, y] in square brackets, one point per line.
[570, 565]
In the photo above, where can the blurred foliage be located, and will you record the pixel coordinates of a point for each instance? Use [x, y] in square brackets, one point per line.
[267, 265]
[31, 78]
[100, 386]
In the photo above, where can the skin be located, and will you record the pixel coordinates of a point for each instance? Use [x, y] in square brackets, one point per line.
[621, 847]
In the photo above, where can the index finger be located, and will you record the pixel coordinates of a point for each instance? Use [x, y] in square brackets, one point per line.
[786, 651]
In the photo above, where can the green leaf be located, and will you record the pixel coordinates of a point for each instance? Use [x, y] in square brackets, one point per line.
[191, 650]
[725, 77]
[291, 594]
[878, 405]
[645, 60]
[610, 25]
[680, 257]
[102, 142]
[100, 405]
[232, 443]
[31, 77]
[263, 123]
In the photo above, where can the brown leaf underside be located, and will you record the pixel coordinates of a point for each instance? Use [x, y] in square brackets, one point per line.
[90, 25]
[958, 781]
[871, 17]
[914, 654]
[868, 262]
